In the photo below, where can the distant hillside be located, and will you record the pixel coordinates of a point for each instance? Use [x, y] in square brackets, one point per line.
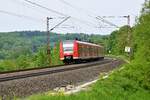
[13, 44]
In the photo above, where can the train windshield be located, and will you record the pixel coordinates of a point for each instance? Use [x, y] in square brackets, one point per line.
[68, 46]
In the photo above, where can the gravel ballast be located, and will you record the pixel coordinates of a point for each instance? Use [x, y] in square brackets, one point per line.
[38, 84]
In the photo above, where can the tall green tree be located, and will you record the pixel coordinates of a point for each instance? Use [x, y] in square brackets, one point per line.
[142, 34]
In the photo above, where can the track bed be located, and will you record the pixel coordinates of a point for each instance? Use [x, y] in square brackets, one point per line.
[36, 81]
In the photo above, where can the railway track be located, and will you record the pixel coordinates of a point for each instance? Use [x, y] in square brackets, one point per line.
[28, 82]
[7, 76]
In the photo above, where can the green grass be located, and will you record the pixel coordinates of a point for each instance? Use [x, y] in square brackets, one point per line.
[130, 83]
[39, 59]
[123, 57]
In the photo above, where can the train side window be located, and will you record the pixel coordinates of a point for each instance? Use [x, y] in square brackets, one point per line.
[80, 49]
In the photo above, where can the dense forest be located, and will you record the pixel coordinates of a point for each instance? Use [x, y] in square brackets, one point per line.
[132, 80]
[26, 49]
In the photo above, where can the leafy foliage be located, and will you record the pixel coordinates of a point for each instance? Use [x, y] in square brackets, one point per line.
[118, 40]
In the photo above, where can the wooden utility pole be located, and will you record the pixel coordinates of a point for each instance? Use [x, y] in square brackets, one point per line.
[48, 35]
[128, 48]
[48, 41]
[129, 37]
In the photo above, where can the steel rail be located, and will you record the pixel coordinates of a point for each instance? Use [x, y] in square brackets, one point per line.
[79, 66]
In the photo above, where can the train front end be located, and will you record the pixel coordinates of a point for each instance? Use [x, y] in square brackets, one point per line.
[67, 51]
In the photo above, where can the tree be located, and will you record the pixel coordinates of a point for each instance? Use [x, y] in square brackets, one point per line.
[41, 58]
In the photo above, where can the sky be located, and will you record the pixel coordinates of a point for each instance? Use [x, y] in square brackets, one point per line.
[82, 14]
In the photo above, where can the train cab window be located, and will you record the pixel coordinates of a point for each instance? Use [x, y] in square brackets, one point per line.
[68, 46]
[68, 49]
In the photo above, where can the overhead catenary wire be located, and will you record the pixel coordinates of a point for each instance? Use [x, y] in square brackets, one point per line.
[105, 27]
[59, 13]
[77, 8]
[34, 4]
[29, 6]
[59, 23]
[90, 14]
[19, 15]
[66, 27]
[51, 10]
[65, 15]
[105, 21]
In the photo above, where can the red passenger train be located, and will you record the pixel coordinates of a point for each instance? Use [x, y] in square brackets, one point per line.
[75, 51]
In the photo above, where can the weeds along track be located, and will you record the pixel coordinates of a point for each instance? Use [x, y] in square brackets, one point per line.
[24, 83]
